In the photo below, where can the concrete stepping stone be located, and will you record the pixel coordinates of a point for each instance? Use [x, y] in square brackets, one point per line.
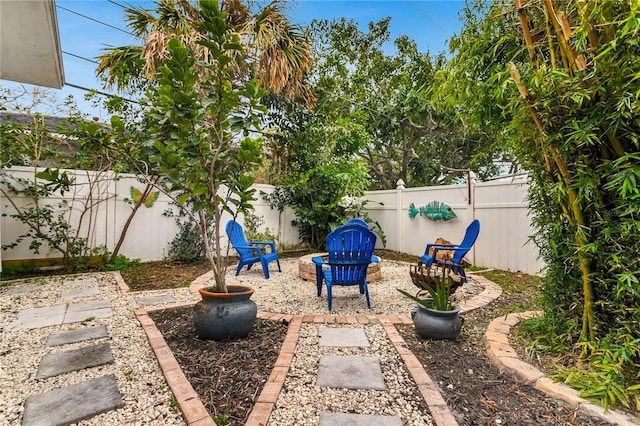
[85, 282]
[23, 289]
[77, 312]
[350, 372]
[72, 293]
[38, 318]
[75, 336]
[74, 360]
[71, 404]
[343, 337]
[343, 419]
[160, 299]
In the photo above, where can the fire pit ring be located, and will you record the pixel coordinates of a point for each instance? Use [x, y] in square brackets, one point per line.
[307, 269]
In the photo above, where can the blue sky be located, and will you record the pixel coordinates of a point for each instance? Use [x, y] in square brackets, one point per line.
[429, 23]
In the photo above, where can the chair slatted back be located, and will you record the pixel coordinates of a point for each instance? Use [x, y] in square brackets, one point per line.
[350, 249]
[470, 237]
[237, 238]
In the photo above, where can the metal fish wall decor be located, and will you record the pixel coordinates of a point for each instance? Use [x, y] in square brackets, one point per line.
[435, 210]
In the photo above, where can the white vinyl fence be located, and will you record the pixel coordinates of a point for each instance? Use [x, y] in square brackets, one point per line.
[103, 201]
[500, 206]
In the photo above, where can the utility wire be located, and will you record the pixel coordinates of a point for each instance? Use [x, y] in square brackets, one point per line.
[94, 20]
[118, 4]
[421, 12]
[80, 57]
[86, 89]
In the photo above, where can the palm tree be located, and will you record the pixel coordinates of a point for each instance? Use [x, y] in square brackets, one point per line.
[278, 53]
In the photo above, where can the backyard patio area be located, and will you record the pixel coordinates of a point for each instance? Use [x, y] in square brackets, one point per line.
[274, 371]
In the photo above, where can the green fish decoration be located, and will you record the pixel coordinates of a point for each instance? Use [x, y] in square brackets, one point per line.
[435, 210]
[413, 211]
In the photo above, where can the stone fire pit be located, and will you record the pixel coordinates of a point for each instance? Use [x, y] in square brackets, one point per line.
[307, 269]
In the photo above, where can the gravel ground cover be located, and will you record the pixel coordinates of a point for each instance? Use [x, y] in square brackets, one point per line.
[147, 399]
[286, 293]
[300, 402]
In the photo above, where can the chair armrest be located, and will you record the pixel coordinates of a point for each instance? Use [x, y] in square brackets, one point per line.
[441, 245]
[265, 243]
[257, 248]
[318, 260]
[375, 259]
[454, 249]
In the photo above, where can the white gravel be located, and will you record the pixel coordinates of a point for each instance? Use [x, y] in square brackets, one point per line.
[300, 402]
[286, 293]
[146, 396]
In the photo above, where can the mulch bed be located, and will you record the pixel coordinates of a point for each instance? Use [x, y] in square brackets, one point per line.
[227, 376]
[475, 390]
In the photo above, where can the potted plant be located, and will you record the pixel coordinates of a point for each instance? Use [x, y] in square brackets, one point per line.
[436, 316]
[202, 121]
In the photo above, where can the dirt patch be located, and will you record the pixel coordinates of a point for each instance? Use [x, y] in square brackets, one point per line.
[163, 274]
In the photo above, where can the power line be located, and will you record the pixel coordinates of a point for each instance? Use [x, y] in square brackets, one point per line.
[80, 57]
[421, 12]
[118, 4]
[94, 20]
[86, 89]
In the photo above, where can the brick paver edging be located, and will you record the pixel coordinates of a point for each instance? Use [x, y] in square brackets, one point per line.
[194, 412]
[504, 357]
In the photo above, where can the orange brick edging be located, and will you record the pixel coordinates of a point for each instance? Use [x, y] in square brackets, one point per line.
[192, 409]
[438, 407]
[504, 357]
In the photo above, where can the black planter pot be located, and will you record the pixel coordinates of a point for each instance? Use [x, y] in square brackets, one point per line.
[225, 316]
[437, 325]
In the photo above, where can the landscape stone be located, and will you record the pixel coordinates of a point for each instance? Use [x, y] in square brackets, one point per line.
[343, 337]
[75, 336]
[154, 300]
[350, 372]
[23, 289]
[348, 419]
[71, 404]
[85, 282]
[80, 292]
[82, 311]
[38, 318]
[74, 360]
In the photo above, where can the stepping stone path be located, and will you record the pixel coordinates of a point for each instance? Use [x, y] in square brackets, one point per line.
[75, 360]
[65, 314]
[71, 404]
[350, 372]
[160, 299]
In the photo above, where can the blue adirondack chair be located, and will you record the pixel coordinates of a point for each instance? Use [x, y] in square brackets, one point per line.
[459, 251]
[250, 252]
[350, 248]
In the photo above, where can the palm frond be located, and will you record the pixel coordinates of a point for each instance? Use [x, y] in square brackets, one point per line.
[122, 67]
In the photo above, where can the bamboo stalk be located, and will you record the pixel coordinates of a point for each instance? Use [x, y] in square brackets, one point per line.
[564, 47]
[574, 214]
[524, 23]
